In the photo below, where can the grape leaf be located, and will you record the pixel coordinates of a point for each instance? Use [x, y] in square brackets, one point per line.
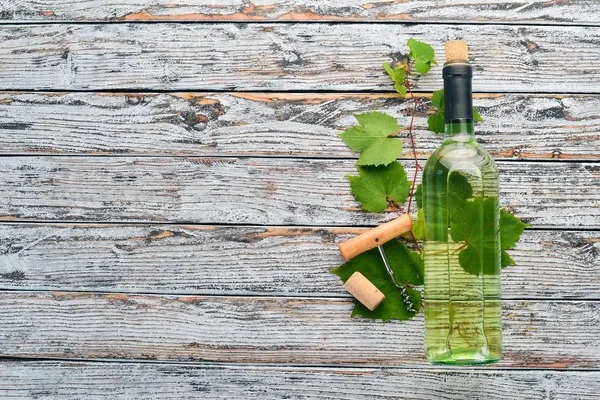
[419, 195]
[374, 138]
[400, 88]
[399, 303]
[459, 190]
[398, 75]
[423, 55]
[437, 99]
[511, 229]
[476, 115]
[475, 224]
[418, 226]
[471, 221]
[453, 195]
[435, 121]
[376, 185]
[506, 259]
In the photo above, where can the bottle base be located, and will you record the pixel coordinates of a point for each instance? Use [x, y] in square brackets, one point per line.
[463, 357]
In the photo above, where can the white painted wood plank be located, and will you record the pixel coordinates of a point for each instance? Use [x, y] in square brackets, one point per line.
[549, 334]
[268, 191]
[287, 56]
[231, 260]
[536, 11]
[216, 124]
[76, 380]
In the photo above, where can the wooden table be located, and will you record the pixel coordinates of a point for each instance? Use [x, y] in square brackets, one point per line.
[173, 190]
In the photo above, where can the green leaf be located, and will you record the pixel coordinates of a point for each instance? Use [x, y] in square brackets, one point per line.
[472, 221]
[476, 115]
[374, 138]
[418, 226]
[419, 195]
[437, 99]
[511, 229]
[435, 122]
[390, 71]
[398, 75]
[394, 306]
[376, 185]
[423, 55]
[379, 122]
[506, 259]
[459, 191]
[408, 269]
[475, 223]
[400, 88]
[452, 196]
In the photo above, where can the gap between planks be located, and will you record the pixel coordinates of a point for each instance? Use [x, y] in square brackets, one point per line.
[285, 366]
[307, 22]
[249, 297]
[576, 12]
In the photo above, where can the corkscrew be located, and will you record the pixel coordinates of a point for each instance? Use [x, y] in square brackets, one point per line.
[358, 285]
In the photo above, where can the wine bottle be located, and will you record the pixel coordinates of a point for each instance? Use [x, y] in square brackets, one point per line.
[461, 233]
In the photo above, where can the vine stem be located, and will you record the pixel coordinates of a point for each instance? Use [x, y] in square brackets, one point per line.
[411, 136]
[418, 167]
[393, 206]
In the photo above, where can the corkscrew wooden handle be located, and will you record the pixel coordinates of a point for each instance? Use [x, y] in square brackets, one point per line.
[375, 237]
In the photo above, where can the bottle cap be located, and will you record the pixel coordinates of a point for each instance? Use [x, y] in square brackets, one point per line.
[457, 50]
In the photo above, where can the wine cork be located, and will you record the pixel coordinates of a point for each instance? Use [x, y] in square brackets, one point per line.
[364, 291]
[457, 50]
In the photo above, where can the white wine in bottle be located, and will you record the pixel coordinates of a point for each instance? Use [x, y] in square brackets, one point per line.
[462, 232]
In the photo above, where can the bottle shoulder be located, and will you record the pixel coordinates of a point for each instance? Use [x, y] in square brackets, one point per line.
[454, 153]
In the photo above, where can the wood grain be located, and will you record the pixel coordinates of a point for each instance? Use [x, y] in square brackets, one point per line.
[516, 126]
[537, 11]
[219, 260]
[550, 334]
[267, 191]
[74, 380]
[287, 56]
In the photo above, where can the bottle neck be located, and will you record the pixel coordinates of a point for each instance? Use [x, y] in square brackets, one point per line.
[460, 131]
[458, 100]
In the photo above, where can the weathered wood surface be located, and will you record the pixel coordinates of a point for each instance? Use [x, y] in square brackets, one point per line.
[552, 334]
[235, 297]
[215, 124]
[267, 191]
[505, 11]
[287, 56]
[76, 380]
[229, 260]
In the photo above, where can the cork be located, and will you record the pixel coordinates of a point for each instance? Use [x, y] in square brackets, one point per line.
[457, 50]
[364, 291]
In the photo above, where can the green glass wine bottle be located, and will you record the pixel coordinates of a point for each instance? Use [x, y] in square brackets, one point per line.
[462, 232]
